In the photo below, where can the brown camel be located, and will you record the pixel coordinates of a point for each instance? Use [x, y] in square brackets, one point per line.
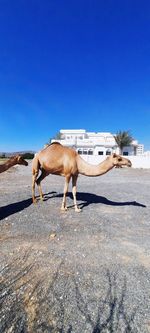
[18, 159]
[59, 160]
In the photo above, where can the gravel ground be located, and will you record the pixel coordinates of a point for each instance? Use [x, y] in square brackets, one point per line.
[76, 272]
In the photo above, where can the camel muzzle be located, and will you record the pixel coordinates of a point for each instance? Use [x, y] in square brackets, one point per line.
[129, 164]
[24, 162]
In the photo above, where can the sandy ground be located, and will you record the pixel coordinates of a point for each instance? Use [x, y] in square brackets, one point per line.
[76, 272]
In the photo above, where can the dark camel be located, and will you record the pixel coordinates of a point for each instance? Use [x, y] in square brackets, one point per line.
[18, 159]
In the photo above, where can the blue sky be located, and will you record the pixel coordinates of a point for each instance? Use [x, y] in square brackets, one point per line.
[73, 64]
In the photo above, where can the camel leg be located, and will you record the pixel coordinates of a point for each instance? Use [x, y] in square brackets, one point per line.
[67, 180]
[74, 191]
[34, 178]
[38, 181]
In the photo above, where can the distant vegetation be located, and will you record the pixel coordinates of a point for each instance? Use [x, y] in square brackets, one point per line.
[123, 139]
[2, 155]
[28, 156]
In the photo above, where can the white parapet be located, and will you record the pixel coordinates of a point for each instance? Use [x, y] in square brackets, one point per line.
[141, 162]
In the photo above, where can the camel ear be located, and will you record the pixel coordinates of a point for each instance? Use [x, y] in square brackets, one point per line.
[114, 155]
[19, 158]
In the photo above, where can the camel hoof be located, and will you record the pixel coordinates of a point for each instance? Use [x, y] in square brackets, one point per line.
[34, 201]
[77, 210]
[64, 209]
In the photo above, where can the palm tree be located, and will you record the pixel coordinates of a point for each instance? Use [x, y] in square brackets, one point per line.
[123, 139]
[57, 136]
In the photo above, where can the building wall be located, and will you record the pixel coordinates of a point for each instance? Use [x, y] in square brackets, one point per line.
[147, 153]
[140, 150]
[141, 162]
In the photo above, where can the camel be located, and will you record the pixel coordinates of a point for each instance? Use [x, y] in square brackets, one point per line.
[17, 159]
[59, 160]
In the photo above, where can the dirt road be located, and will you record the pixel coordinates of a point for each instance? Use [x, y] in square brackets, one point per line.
[76, 272]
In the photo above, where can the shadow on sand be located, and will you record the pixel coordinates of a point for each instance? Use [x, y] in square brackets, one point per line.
[86, 198]
[13, 208]
[16, 207]
[90, 198]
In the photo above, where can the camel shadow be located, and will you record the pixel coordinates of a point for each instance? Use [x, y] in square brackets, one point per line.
[16, 207]
[86, 198]
[90, 198]
[47, 196]
[13, 208]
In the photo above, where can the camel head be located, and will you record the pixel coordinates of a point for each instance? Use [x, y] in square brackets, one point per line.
[119, 161]
[20, 160]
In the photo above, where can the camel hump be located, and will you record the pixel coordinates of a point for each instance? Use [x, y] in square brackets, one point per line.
[55, 143]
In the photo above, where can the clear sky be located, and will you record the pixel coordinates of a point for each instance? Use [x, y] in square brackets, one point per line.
[82, 64]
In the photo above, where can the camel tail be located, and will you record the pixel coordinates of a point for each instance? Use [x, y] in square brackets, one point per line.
[35, 164]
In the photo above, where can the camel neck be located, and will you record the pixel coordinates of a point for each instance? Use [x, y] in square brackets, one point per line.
[90, 170]
[7, 165]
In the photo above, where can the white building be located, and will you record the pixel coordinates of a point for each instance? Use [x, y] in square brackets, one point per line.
[146, 153]
[91, 143]
[140, 150]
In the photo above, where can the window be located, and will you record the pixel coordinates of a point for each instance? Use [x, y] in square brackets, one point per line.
[80, 151]
[84, 152]
[108, 152]
[90, 152]
[125, 153]
[100, 152]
